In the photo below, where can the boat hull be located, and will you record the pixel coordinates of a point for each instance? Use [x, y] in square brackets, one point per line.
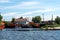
[2, 27]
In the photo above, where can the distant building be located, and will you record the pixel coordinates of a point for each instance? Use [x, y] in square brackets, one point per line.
[21, 20]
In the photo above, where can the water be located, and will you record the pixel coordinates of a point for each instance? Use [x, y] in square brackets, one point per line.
[30, 35]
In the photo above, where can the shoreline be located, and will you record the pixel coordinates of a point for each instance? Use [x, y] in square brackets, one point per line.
[30, 29]
[51, 28]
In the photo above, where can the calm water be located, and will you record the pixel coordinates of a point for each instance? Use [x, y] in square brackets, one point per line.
[30, 35]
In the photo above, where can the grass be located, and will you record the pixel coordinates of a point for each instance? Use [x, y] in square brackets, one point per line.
[51, 26]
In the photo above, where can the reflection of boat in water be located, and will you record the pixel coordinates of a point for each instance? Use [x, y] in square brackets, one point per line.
[22, 29]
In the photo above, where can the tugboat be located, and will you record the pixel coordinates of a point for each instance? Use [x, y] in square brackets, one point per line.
[2, 25]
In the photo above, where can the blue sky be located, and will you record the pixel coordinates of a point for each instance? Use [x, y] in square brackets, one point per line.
[28, 8]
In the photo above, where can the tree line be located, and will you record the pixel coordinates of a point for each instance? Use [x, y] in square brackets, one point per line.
[36, 19]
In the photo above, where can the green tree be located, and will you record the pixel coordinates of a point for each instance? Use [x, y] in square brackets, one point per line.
[1, 18]
[57, 20]
[21, 17]
[13, 20]
[36, 19]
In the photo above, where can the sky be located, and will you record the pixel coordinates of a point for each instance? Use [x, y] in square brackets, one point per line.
[29, 8]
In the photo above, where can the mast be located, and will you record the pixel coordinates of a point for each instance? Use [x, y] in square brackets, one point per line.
[52, 17]
[43, 17]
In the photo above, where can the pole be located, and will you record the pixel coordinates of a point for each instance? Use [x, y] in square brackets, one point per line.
[52, 17]
[43, 17]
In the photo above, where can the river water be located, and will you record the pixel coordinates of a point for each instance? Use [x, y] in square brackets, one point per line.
[30, 35]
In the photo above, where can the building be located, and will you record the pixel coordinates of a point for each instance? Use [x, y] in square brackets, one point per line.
[21, 20]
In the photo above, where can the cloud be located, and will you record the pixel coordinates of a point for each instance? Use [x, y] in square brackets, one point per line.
[9, 14]
[27, 13]
[22, 5]
[4, 1]
[57, 8]
[17, 15]
[28, 3]
[46, 10]
[29, 7]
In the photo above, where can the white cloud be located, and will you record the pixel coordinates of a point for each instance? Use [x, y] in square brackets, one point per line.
[17, 15]
[46, 10]
[57, 8]
[26, 13]
[9, 14]
[28, 3]
[4, 1]
[22, 5]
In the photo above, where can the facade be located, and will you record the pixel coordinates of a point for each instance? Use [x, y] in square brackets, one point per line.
[21, 21]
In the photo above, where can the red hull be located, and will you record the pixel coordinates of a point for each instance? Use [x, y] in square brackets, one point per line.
[2, 27]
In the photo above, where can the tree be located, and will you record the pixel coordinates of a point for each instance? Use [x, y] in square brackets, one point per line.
[57, 20]
[21, 17]
[1, 18]
[13, 20]
[36, 19]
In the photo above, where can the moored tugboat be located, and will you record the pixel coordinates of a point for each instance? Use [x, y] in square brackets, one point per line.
[2, 25]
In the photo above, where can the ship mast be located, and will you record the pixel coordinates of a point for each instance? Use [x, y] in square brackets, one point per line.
[43, 17]
[52, 17]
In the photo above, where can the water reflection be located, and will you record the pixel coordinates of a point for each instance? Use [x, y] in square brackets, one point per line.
[30, 35]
